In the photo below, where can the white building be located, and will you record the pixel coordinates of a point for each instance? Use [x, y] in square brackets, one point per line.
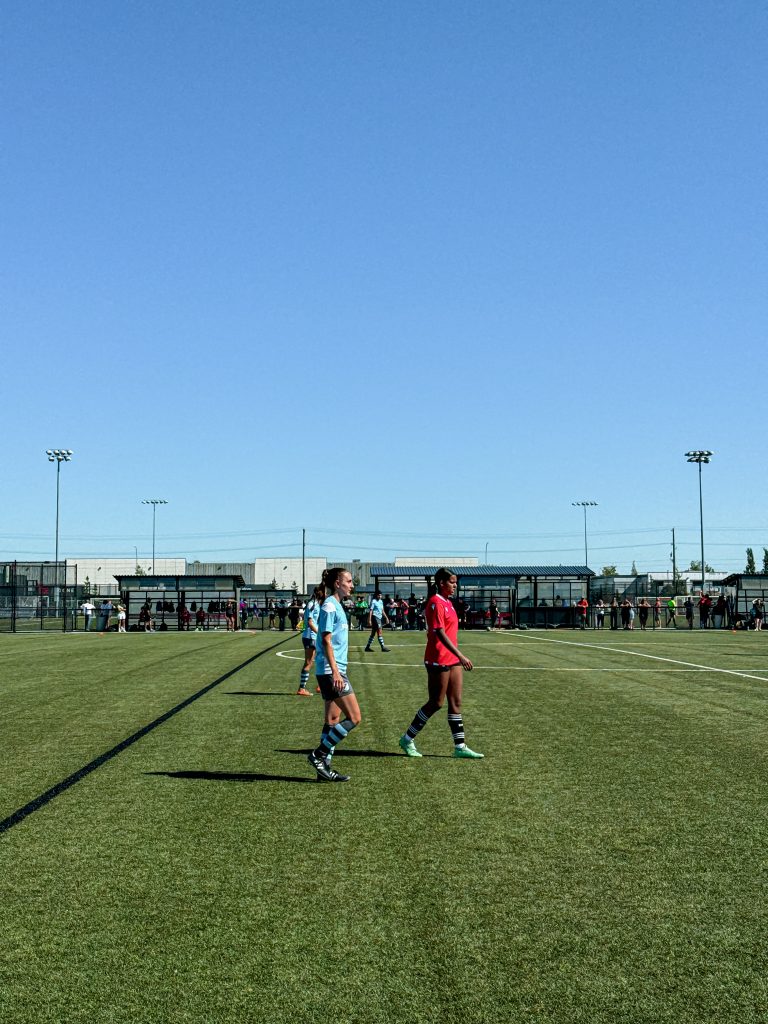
[101, 572]
[287, 572]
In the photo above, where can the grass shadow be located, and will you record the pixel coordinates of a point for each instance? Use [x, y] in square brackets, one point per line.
[358, 753]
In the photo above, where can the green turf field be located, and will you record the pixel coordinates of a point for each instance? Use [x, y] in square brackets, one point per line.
[605, 863]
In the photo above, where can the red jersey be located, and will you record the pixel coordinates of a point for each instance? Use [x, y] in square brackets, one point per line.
[440, 614]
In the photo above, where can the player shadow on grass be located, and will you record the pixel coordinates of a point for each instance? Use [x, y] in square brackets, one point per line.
[357, 753]
[259, 693]
[231, 776]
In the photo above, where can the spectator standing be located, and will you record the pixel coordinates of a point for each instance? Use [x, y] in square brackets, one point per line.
[643, 607]
[120, 618]
[243, 613]
[294, 613]
[282, 611]
[599, 614]
[582, 607]
[625, 606]
[718, 612]
[688, 606]
[201, 619]
[705, 603]
[230, 615]
[672, 612]
[87, 608]
[758, 609]
[105, 615]
[657, 613]
[614, 613]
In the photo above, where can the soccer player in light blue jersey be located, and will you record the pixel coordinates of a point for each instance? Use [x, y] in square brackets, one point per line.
[376, 616]
[331, 666]
[309, 638]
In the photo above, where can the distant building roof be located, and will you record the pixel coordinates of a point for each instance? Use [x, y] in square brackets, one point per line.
[416, 571]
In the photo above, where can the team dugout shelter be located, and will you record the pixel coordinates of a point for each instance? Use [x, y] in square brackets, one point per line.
[525, 595]
[168, 595]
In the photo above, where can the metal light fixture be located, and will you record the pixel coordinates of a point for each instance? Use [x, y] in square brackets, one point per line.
[700, 457]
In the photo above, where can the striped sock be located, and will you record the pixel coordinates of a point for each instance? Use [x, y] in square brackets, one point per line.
[456, 722]
[420, 720]
[303, 679]
[323, 735]
[335, 734]
[381, 642]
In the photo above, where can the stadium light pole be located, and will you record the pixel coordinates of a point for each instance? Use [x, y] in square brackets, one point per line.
[699, 458]
[58, 455]
[585, 505]
[154, 502]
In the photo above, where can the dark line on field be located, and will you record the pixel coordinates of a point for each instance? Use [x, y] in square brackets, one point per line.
[45, 798]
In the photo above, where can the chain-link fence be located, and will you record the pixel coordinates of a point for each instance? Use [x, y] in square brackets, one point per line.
[37, 596]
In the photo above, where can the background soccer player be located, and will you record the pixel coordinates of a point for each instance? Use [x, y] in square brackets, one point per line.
[332, 654]
[308, 638]
[376, 616]
[445, 666]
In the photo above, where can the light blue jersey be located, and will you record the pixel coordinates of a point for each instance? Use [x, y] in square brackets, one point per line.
[377, 609]
[311, 613]
[332, 619]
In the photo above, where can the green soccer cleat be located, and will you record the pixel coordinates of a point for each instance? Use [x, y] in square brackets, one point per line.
[467, 753]
[407, 744]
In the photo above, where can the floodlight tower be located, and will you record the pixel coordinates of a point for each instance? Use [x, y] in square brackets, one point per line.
[154, 502]
[58, 455]
[585, 505]
[699, 458]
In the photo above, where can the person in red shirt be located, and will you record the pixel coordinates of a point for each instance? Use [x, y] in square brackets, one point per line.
[583, 607]
[445, 666]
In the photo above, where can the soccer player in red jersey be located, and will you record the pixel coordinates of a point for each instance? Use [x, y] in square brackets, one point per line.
[445, 666]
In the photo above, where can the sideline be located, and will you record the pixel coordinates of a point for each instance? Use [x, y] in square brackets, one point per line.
[61, 787]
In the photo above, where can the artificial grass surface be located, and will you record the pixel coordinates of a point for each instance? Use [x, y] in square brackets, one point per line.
[605, 863]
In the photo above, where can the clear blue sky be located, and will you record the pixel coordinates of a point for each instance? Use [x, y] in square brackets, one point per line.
[414, 276]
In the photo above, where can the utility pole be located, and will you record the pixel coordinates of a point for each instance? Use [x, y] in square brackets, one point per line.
[674, 563]
[303, 561]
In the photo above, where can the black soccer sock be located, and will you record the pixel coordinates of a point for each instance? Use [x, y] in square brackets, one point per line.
[456, 722]
[421, 718]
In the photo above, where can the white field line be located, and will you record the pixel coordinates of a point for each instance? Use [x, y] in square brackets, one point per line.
[640, 654]
[298, 656]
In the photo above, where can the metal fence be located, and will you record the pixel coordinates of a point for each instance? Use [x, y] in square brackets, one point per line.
[37, 596]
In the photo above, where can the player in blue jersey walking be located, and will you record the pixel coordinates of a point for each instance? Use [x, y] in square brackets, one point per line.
[332, 647]
[376, 616]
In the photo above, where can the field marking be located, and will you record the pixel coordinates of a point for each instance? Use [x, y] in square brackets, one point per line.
[641, 654]
[61, 787]
[298, 656]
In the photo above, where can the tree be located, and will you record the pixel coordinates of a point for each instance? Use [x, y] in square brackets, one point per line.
[609, 570]
[633, 570]
[139, 571]
[765, 559]
[750, 561]
[695, 566]
[273, 584]
[86, 587]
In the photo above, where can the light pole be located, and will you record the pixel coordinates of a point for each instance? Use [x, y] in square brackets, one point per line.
[58, 455]
[154, 502]
[700, 457]
[585, 505]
